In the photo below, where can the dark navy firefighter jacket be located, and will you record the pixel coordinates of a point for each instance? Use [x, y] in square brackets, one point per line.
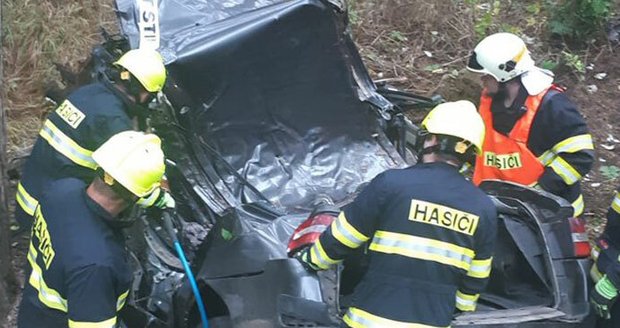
[606, 253]
[79, 273]
[76, 128]
[430, 236]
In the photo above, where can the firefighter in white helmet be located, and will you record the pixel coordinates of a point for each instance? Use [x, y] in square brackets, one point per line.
[535, 135]
[79, 275]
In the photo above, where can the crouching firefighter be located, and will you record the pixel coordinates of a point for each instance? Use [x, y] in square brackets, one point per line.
[430, 232]
[79, 274]
[84, 121]
[606, 270]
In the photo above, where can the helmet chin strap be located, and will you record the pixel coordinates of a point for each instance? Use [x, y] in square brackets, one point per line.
[429, 150]
[458, 149]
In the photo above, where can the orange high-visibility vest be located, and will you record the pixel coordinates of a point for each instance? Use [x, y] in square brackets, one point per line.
[504, 157]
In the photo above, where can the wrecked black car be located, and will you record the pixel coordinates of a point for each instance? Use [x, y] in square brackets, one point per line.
[269, 112]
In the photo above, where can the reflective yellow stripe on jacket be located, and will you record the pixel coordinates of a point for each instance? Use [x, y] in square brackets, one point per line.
[578, 206]
[480, 268]
[110, 323]
[565, 170]
[346, 234]
[569, 145]
[52, 299]
[48, 296]
[560, 166]
[358, 318]
[67, 146]
[25, 200]
[422, 248]
[466, 302]
[319, 257]
[615, 205]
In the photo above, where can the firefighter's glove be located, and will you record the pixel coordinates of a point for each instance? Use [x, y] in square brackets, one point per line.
[159, 199]
[603, 296]
[165, 201]
[303, 257]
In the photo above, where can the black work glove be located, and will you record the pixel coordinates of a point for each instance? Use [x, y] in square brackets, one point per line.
[603, 297]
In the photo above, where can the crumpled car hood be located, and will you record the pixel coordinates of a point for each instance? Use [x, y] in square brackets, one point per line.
[274, 95]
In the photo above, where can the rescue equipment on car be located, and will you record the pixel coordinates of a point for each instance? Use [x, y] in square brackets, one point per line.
[309, 232]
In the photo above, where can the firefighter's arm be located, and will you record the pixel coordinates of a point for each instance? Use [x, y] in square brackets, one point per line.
[605, 293]
[563, 143]
[478, 274]
[92, 299]
[613, 214]
[354, 226]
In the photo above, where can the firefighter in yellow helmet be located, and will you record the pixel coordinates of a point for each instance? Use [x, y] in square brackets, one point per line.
[79, 275]
[85, 120]
[535, 135]
[430, 232]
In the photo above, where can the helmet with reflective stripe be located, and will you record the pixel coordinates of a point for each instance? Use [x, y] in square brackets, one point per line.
[133, 159]
[147, 66]
[458, 119]
[502, 55]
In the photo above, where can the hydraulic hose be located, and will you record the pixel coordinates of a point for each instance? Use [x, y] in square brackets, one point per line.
[190, 276]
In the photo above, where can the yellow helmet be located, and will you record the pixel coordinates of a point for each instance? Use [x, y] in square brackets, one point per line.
[147, 66]
[458, 119]
[133, 159]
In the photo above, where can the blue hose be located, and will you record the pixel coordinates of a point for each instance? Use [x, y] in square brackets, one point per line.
[188, 270]
[192, 282]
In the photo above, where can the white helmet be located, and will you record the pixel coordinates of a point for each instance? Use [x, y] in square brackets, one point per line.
[502, 55]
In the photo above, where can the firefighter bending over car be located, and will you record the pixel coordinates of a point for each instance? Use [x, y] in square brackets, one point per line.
[79, 275]
[535, 135]
[430, 232]
[85, 120]
[606, 270]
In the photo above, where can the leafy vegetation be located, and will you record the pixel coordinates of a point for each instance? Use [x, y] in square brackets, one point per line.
[578, 19]
[610, 172]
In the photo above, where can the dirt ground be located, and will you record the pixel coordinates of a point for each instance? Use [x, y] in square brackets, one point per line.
[418, 45]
